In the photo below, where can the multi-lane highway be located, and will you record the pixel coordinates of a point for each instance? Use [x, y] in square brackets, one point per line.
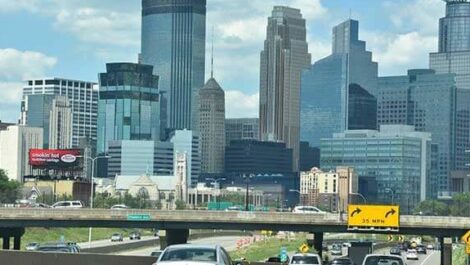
[107, 242]
[431, 258]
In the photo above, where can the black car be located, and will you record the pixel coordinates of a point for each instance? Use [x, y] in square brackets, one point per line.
[342, 261]
[421, 250]
[134, 235]
[395, 251]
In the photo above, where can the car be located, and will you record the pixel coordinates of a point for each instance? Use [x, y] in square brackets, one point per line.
[119, 207]
[117, 237]
[395, 251]
[233, 209]
[274, 259]
[421, 250]
[342, 261]
[74, 246]
[377, 259]
[40, 205]
[307, 209]
[57, 247]
[430, 247]
[134, 235]
[193, 254]
[412, 254]
[67, 205]
[336, 250]
[32, 246]
[346, 245]
[156, 253]
[307, 258]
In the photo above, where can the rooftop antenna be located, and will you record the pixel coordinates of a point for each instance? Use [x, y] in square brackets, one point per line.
[212, 54]
[350, 13]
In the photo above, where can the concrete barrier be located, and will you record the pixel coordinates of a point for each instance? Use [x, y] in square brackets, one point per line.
[38, 258]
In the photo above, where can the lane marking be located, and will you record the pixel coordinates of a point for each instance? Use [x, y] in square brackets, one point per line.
[424, 261]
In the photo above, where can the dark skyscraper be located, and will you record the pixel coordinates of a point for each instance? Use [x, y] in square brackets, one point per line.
[362, 109]
[174, 41]
[284, 57]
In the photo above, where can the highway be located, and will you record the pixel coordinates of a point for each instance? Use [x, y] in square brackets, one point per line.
[431, 258]
[228, 242]
[107, 242]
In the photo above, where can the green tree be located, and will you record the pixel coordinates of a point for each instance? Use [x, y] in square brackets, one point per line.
[180, 205]
[460, 204]
[432, 207]
[10, 190]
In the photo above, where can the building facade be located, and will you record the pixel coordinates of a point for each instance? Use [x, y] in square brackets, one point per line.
[15, 143]
[83, 99]
[212, 127]
[428, 101]
[327, 83]
[53, 114]
[188, 143]
[283, 59]
[398, 158]
[129, 105]
[241, 129]
[174, 42]
[250, 156]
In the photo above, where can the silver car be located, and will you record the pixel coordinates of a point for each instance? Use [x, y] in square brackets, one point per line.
[305, 259]
[32, 246]
[376, 259]
[189, 254]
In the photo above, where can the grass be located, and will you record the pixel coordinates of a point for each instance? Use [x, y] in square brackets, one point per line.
[44, 235]
[459, 255]
[261, 250]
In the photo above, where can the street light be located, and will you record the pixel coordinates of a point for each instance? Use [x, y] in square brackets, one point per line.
[358, 194]
[93, 159]
[216, 181]
[247, 180]
[393, 194]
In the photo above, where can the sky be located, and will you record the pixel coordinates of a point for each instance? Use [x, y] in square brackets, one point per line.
[76, 38]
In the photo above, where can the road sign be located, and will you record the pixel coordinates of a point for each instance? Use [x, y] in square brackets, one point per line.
[401, 238]
[466, 237]
[390, 238]
[373, 217]
[304, 248]
[138, 217]
[283, 254]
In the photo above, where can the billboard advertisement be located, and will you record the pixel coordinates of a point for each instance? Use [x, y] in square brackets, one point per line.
[54, 158]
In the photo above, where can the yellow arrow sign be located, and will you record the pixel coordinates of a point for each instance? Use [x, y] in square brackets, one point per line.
[368, 216]
[390, 238]
[466, 237]
[304, 248]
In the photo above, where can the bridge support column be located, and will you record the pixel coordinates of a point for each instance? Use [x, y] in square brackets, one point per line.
[6, 242]
[446, 250]
[172, 237]
[318, 243]
[17, 242]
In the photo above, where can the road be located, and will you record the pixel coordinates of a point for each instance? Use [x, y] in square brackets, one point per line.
[433, 257]
[228, 242]
[107, 242]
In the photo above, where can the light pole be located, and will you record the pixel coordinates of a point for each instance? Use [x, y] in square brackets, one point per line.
[247, 180]
[393, 194]
[217, 181]
[358, 194]
[92, 182]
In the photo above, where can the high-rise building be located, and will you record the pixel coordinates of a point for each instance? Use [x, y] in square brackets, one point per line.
[83, 99]
[15, 143]
[188, 143]
[129, 105]
[309, 156]
[212, 127]
[397, 158]
[335, 88]
[283, 59]
[174, 42]
[53, 114]
[427, 101]
[241, 129]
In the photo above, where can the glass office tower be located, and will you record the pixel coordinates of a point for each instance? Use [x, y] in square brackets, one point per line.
[174, 42]
[129, 106]
[283, 59]
[325, 86]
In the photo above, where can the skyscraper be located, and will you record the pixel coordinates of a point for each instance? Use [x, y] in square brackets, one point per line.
[284, 57]
[174, 41]
[326, 106]
[53, 114]
[241, 129]
[129, 106]
[83, 98]
[212, 127]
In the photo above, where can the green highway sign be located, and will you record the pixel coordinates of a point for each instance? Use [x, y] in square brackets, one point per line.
[138, 217]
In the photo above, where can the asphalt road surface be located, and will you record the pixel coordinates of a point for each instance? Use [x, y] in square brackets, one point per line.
[107, 242]
[228, 242]
[433, 257]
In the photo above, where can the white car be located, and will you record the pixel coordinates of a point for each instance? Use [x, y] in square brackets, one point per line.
[430, 247]
[119, 207]
[306, 259]
[307, 209]
[67, 205]
[189, 254]
[412, 254]
[377, 259]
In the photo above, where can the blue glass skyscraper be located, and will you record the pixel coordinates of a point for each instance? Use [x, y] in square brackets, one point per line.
[129, 104]
[173, 41]
[325, 86]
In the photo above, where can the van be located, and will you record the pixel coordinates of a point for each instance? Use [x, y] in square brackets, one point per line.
[67, 205]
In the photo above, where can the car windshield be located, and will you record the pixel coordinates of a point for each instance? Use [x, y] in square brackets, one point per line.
[383, 260]
[116, 234]
[189, 254]
[304, 260]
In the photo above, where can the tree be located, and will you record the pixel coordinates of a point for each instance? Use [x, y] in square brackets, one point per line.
[10, 190]
[432, 207]
[460, 204]
[180, 205]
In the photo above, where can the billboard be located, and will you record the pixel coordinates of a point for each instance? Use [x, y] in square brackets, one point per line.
[54, 158]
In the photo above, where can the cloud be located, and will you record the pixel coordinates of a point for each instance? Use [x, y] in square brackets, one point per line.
[417, 15]
[16, 66]
[241, 105]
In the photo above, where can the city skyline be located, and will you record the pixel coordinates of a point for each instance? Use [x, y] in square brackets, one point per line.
[80, 51]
